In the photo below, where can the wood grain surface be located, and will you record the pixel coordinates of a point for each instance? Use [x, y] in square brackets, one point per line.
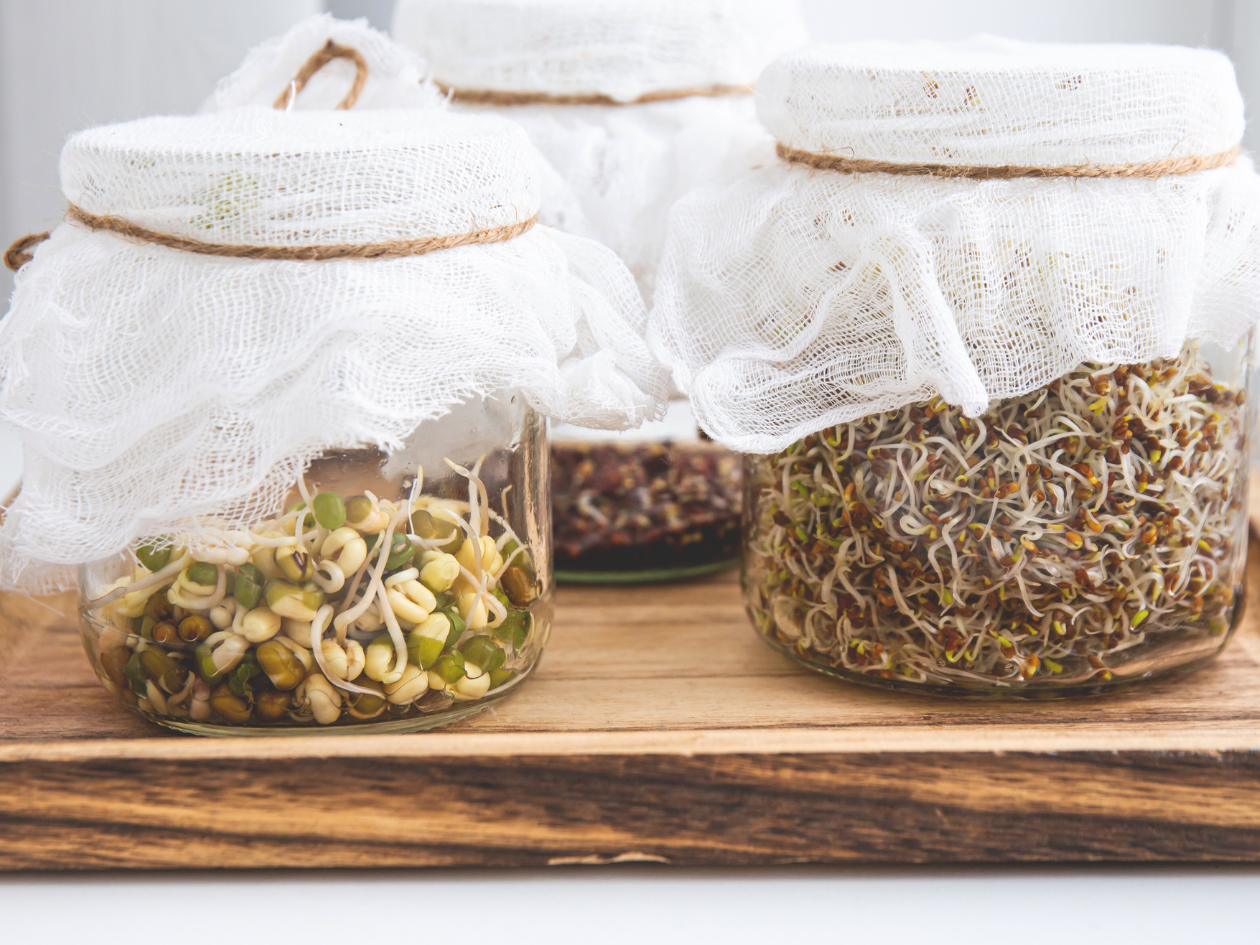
[658, 728]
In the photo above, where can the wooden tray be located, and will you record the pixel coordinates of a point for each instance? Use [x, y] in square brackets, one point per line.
[658, 728]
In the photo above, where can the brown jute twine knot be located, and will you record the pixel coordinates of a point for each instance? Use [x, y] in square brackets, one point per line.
[20, 252]
[496, 97]
[1146, 169]
[318, 60]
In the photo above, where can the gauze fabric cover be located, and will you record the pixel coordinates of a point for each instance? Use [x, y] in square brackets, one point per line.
[795, 298]
[396, 75]
[614, 170]
[158, 391]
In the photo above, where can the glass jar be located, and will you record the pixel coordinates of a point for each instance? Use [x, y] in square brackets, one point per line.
[417, 591]
[1077, 539]
[660, 503]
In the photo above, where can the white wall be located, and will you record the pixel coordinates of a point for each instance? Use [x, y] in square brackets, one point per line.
[379, 12]
[1185, 22]
[1238, 30]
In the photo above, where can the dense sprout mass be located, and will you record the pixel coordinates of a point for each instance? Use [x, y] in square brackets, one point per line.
[1087, 533]
[645, 507]
[343, 609]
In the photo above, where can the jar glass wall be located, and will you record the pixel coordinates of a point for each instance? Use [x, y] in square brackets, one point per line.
[1079, 538]
[660, 503]
[406, 602]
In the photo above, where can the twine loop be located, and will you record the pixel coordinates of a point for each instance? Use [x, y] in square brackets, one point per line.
[1145, 170]
[20, 253]
[317, 61]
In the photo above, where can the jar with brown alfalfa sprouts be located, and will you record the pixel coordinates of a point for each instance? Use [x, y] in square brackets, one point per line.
[632, 103]
[983, 334]
[283, 411]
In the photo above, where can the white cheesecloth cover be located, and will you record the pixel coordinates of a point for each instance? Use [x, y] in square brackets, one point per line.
[614, 170]
[395, 78]
[159, 391]
[796, 298]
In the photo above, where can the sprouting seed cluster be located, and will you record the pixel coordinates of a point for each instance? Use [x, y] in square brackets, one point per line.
[1064, 537]
[340, 610]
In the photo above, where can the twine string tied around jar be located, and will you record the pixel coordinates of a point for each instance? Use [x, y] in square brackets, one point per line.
[1190, 164]
[502, 97]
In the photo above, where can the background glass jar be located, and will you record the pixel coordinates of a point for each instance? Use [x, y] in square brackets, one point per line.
[660, 503]
[398, 604]
[1079, 538]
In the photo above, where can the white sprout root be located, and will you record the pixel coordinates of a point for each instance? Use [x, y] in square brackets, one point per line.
[323, 618]
[163, 576]
[351, 614]
[1091, 524]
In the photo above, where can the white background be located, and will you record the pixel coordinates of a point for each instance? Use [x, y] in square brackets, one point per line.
[637, 906]
[69, 64]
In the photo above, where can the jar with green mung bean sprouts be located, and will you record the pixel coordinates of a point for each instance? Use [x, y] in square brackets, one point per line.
[389, 591]
[283, 384]
[984, 336]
